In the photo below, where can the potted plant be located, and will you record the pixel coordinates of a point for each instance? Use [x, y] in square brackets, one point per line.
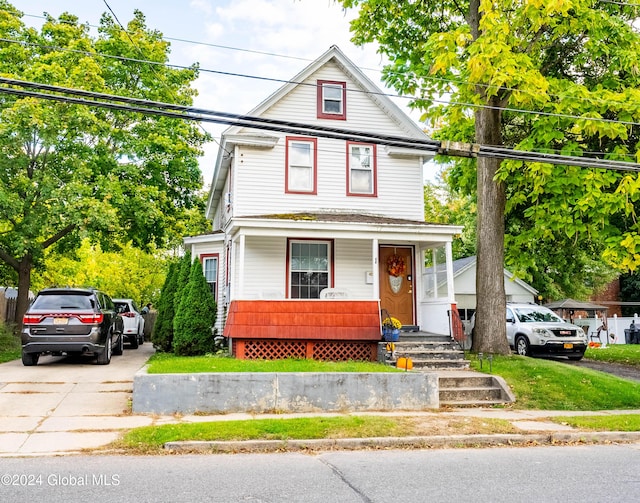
[391, 329]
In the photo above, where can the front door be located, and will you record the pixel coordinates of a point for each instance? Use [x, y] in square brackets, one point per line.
[396, 282]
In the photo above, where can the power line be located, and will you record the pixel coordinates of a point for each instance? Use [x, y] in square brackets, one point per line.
[399, 96]
[127, 104]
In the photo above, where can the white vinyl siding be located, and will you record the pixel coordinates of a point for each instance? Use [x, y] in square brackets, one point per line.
[259, 173]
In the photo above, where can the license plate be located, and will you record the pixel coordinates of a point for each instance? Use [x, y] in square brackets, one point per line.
[60, 321]
[568, 345]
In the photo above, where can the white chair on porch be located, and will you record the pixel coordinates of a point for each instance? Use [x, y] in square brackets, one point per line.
[334, 293]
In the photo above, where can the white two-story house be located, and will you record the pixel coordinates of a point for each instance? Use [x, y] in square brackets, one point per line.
[313, 236]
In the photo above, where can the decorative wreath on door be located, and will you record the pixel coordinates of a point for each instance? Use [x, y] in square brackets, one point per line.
[395, 265]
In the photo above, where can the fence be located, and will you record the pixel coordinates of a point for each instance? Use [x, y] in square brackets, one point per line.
[8, 301]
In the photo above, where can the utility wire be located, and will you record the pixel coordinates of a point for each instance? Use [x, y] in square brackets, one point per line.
[198, 114]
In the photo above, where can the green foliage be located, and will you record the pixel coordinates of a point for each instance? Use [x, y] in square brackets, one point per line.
[196, 316]
[630, 292]
[9, 343]
[129, 273]
[571, 61]
[162, 336]
[68, 171]
[182, 281]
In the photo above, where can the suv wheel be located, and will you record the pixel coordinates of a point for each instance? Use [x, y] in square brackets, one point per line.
[522, 346]
[104, 358]
[30, 359]
[119, 349]
[134, 342]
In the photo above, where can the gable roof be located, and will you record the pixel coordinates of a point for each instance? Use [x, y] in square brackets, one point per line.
[231, 136]
[462, 265]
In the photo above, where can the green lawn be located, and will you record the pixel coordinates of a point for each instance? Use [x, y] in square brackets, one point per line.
[627, 354]
[163, 363]
[544, 384]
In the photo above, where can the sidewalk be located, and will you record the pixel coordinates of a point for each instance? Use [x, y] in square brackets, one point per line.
[75, 433]
[60, 408]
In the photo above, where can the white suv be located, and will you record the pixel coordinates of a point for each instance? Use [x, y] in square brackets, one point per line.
[533, 329]
[133, 321]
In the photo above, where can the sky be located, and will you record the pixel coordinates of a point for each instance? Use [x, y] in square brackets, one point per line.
[273, 39]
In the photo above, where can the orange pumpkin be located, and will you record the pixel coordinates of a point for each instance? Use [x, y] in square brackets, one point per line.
[404, 363]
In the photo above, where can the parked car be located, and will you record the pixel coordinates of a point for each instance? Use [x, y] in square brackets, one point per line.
[133, 321]
[534, 330]
[71, 321]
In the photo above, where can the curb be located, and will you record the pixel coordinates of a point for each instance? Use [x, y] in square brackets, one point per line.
[426, 442]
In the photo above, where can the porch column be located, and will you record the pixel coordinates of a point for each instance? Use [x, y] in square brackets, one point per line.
[449, 258]
[434, 260]
[240, 275]
[376, 269]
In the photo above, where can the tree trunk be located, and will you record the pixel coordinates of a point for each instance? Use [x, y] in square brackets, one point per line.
[24, 283]
[490, 334]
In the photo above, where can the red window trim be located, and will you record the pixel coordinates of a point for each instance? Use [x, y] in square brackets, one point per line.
[303, 139]
[324, 115]
[374, 170]
[331, 242]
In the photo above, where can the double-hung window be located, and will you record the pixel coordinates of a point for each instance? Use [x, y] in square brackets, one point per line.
[301, 159]
[332, 100]
[210, 269]
[309, 268]
[361, 169]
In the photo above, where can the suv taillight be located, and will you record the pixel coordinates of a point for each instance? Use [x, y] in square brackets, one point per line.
[129, 315]
[30, 319]
[91, 318]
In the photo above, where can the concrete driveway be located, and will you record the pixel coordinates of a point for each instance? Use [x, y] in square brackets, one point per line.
[66, 404]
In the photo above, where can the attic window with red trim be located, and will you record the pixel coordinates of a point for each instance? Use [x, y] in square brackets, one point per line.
[332, 100]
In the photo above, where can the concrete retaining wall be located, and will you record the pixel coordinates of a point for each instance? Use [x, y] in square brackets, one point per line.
[283, 392]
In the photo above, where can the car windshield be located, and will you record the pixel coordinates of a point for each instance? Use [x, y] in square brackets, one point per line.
[62, 301]
[122, 307]
[536, 314]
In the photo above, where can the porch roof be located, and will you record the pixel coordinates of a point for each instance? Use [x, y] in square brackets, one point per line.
[344, 225]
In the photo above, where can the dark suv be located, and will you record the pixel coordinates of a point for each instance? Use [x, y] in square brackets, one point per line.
[71, 321]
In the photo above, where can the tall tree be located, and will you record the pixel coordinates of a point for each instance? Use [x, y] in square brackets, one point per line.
[574, 62]
[67, 171]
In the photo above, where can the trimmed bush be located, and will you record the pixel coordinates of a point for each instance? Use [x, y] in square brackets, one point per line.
[196, 316]
[162, 336]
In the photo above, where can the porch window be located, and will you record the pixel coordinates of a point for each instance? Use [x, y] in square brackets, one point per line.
[309, 266]
[361, 169]
[210, 269]
[332, 98]
[301, 165]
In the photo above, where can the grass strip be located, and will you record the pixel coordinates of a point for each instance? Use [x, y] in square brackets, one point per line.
[152, 438]
[617, 422]
[164, 363]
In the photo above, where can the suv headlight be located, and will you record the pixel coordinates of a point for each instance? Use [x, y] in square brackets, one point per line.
[542, 332]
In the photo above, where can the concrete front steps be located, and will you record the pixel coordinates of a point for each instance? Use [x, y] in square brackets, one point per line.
[472, 389]
[430, 352]
[458, 386]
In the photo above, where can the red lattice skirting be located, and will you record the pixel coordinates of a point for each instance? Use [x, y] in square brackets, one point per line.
[270, 349]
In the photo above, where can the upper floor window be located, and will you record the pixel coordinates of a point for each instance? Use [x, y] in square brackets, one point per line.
[332, 100]
[361, 169]
[301, 160]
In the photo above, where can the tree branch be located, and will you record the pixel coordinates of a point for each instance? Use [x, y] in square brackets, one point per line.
[58, 236]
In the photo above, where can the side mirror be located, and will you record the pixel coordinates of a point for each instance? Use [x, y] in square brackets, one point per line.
[510, 320]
